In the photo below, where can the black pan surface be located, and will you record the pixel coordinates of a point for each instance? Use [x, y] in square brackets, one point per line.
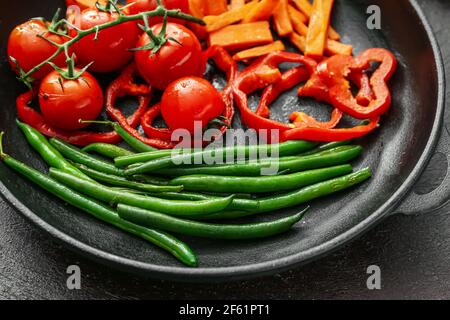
[398, 153]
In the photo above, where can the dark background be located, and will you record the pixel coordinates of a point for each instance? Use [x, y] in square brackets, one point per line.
[413, 252]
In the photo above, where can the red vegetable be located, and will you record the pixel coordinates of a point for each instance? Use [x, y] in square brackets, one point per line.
[225, 63]
[27, 47]
[189, 100]
[110, 50]
[124, 85]
[65, 102]
[179, 56]
[329, 83]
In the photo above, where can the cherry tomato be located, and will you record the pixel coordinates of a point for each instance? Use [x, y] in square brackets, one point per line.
[64, 102]
[110, 51]
[29, 50]
[188, 100]
[174, 60]
[148, 5]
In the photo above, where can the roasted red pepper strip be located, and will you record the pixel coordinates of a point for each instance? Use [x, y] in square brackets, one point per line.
[329, 83]
[225, 63]
[301, 120]
[123, 86]
[82, 138]
[329, 135]
[260, 74]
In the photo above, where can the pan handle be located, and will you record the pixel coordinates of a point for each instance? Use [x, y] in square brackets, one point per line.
[435, 200]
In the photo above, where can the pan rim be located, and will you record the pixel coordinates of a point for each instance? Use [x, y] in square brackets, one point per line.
[234, 273]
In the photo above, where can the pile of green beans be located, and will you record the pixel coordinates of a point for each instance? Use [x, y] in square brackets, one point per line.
[113, 184]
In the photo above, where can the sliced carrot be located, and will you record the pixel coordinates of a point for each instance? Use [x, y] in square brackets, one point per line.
[298, 41]
[259, 51]
[214, 23]
[235, 4]
[335, 47]
[216, 7]
[297, 21]
[197, 8]
[319, 23]
[306, 8]
[296, 15]
[262, 11]
[282, 21]
[241, 36]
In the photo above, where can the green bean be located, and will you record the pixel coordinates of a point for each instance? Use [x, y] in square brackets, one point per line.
[123, 182]
[161, 239]
[134, 143]
[107, 150]
[284, 149]
[245, 204]
[324, 159]
[76, 155]
[151, 180]
[50, 155]
[208, 230]
[299, 197]
[327, 146]
[257, 185]
[113, 197]
[139, 158]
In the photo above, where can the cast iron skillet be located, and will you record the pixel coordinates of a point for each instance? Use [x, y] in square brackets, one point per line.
[398, 154]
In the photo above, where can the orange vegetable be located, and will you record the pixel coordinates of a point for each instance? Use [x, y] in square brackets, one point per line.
[281, 18]
[259, 51]
[242, 36]
[298, 41]
[262, 11]
[235, 4]
[215, 7]
[319, 23]
[332, 48]
[214, 23]
[298, 22]
[197, 8]
[335, 47]
[306, 8]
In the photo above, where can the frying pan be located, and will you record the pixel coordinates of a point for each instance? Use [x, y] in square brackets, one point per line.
[398, 153]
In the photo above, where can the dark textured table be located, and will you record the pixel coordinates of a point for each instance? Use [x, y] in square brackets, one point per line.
[413, 252]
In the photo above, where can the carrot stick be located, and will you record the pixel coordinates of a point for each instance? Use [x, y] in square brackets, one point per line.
[298, 21]
[306, 8]
[214, 23]
[298, 41]
[242, 36]
[235, 4]
[334, 47]
[262, 11]
[216, 7]
[197, 8]
[259, 51]
[319, 23]
[297, 15]
[283, 25]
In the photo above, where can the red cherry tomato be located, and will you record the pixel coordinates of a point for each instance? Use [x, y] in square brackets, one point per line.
[148, 5]
[110, 51]
[188, 100]
[29, 50]
[174, 60]
[64, 102]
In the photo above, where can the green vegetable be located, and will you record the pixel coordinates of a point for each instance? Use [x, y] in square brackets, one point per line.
[161, 239]
[107, 150]
[284, 149]
[260, 184]
[113, 197]
[208, 230]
